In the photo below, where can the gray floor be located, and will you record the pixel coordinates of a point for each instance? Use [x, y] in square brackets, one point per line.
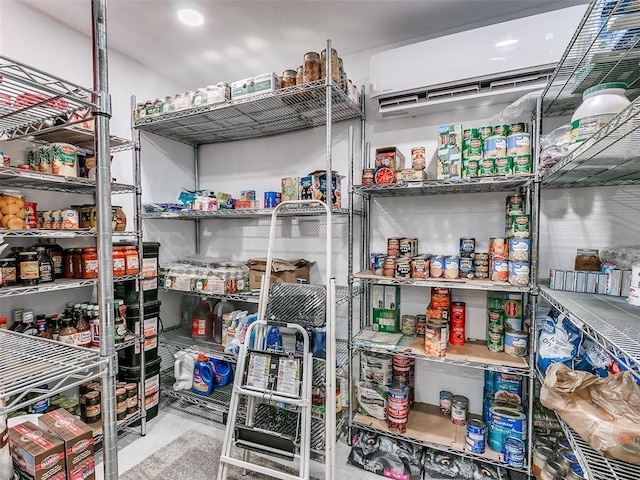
[170, 424]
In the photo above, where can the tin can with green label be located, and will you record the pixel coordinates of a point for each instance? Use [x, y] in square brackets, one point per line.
[486, 132]
[519, 226]
[501, 130]
[504, 166]
[487, 168]
[495, 319]
[495, 341]
[471, 168]
[518, 128]
[522, 164]
[468, 133]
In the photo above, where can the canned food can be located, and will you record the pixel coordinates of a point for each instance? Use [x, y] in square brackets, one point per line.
[470, 133]
[452, 267]
[69, 219]
[519, 249]
[495, 341]
[516, 343]
[500, 270]
[377, 263]
[495, 320]
[519, 144]
[522, 164]
[467, 247]
[389, 266]
[502, 130]
[421, 323]
[459, 407]
[420, 267]
[515, 205]
[485, 132]
[367, 176]
[446, 398]
[456, 333]
[436, 267]
[519, 273]
[398, 406]
[514, 452]
[495, 147]
[403, 268]
[466, 268]
[498, 249]
[418, 158]
[519, 226]
[408, 325]
[435, 338]
[475, 147]
[476, 436]
[393, 246]
[487, 168]
[504, 166]
[408, 247]
[481, 265]
[518, 128]
[30, 214]
[471, 168]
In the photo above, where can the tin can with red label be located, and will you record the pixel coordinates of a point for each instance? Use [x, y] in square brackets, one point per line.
[389, 266]
[456, 333]
[420, 267]
[403, 268]
[367, 176]
[417, 158]
[393, 246]
[30, 214]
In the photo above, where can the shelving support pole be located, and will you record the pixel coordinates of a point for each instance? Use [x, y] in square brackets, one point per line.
[102, 114]
[196, 179]
[330, 429]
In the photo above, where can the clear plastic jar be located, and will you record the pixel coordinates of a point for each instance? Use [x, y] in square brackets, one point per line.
[300, 75]
[167, 107]
[335, 67]
[587, 260]
[288, 78]
[311, 67]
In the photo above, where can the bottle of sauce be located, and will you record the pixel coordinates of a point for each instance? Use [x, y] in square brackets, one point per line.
[28, 268]
[41, 324]
[54, 251]
[28, 326]
[45, 265]
[119, 322]
[83, 330]
[68, 333]
[3, 323]
[95, 326]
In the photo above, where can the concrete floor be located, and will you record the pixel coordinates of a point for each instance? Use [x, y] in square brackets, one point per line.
[171, 423]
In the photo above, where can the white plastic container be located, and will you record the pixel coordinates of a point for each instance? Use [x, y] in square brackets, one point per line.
[599, 105]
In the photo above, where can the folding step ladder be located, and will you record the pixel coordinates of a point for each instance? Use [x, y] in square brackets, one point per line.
[265, 376]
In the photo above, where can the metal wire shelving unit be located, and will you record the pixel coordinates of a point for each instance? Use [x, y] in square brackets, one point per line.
[44, 233]
[61, 284]
[240, 213]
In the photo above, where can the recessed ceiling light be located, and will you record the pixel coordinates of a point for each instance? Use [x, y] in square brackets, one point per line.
[506, 43]
[496, 59]
[190, 17]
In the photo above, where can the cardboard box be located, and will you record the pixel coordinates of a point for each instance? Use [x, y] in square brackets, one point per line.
[36, 454]
[282, 271]
[449, 164]
[411, 175]
[385, 303]
[314, 187]
[289, 188]
[242, 88]
[266, 82]
[388, 158]
[78, 442]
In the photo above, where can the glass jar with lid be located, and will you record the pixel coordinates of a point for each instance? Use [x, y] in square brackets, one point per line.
[28, 268]
[288, 78]
[587, 260]
[300, 75]
[311, 67]
[541, 455]
[552, 470]
[335, 67]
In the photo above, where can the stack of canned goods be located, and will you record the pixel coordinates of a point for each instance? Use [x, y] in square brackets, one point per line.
[456, 406]
[398, 406]
[499, 150]
[436, 336]
[404, 372]
[554, 458]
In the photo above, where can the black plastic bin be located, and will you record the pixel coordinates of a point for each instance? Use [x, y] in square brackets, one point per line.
[150, 255]
[151, 382]
[128, 356]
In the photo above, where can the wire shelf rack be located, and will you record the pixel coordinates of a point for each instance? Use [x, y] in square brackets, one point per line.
[610, 157]
[460, 283]
[44, 233]
[286, 110]
[62, 284]
[445, 187]
[610, 321]
[15, 177]
[242, 213]
[219, 400]
[33, 368]
[603, 49]
[80, 137]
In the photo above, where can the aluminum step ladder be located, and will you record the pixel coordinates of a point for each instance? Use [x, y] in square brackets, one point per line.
[295, 307]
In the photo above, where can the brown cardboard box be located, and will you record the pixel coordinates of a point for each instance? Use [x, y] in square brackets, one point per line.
[388, 158]
[36, 453]
[78, 442]
[282, 271]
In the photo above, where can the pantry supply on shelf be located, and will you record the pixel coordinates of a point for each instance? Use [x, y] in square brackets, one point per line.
[282, 271]
[12, 208]
[505, 423]
[335, 66]
[45, 265]
[457, 333]
[388, 162]
[272, 199]
[311, 67]
[541, 455]
[28, 268]
[203, 376]
[418, 158]
[314, 187]
[398, 407]
[587, 260]
[436, 338]
[495, 147]
[385, 304]
[404, 372]
[39, 460]
[411, 175]
[516, 343]
[446, 398]
[600, 104]
[64, 160]
[377, 368]
[476, 436]
[459, 409]
[449, 154]
[514, 452]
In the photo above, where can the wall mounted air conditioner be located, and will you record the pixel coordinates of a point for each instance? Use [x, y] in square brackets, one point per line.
[490, 65]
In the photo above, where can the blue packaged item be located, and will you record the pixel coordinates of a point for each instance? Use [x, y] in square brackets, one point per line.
[558, 341]
[274, 339]
[223, 372]
[203, 376]
[593, 358]
[319, 344]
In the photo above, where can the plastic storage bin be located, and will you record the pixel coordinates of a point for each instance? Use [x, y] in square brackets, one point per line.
[130, 356]
[151, 384]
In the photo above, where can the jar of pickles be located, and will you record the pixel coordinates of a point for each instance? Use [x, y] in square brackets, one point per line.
[311, 67]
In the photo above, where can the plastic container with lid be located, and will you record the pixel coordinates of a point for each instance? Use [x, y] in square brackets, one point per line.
[587, 260]
[12, 213]
[89, 263]
[288, 78]
[541, 455]
[552, 470]
[311, 70]
[599, 105]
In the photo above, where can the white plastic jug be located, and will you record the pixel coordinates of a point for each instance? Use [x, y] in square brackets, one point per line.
[183, 370]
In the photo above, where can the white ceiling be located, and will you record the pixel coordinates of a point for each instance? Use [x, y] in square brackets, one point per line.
[243, 38]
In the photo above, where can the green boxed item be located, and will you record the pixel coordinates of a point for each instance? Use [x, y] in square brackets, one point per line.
[385, 303]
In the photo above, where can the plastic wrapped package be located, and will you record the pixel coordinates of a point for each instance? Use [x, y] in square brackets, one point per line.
[622, 256]
[518, 111]
[554, 146]
[558, 341]
[605, 412]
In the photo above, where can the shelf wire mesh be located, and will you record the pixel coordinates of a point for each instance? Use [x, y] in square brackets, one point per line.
[604, 49]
